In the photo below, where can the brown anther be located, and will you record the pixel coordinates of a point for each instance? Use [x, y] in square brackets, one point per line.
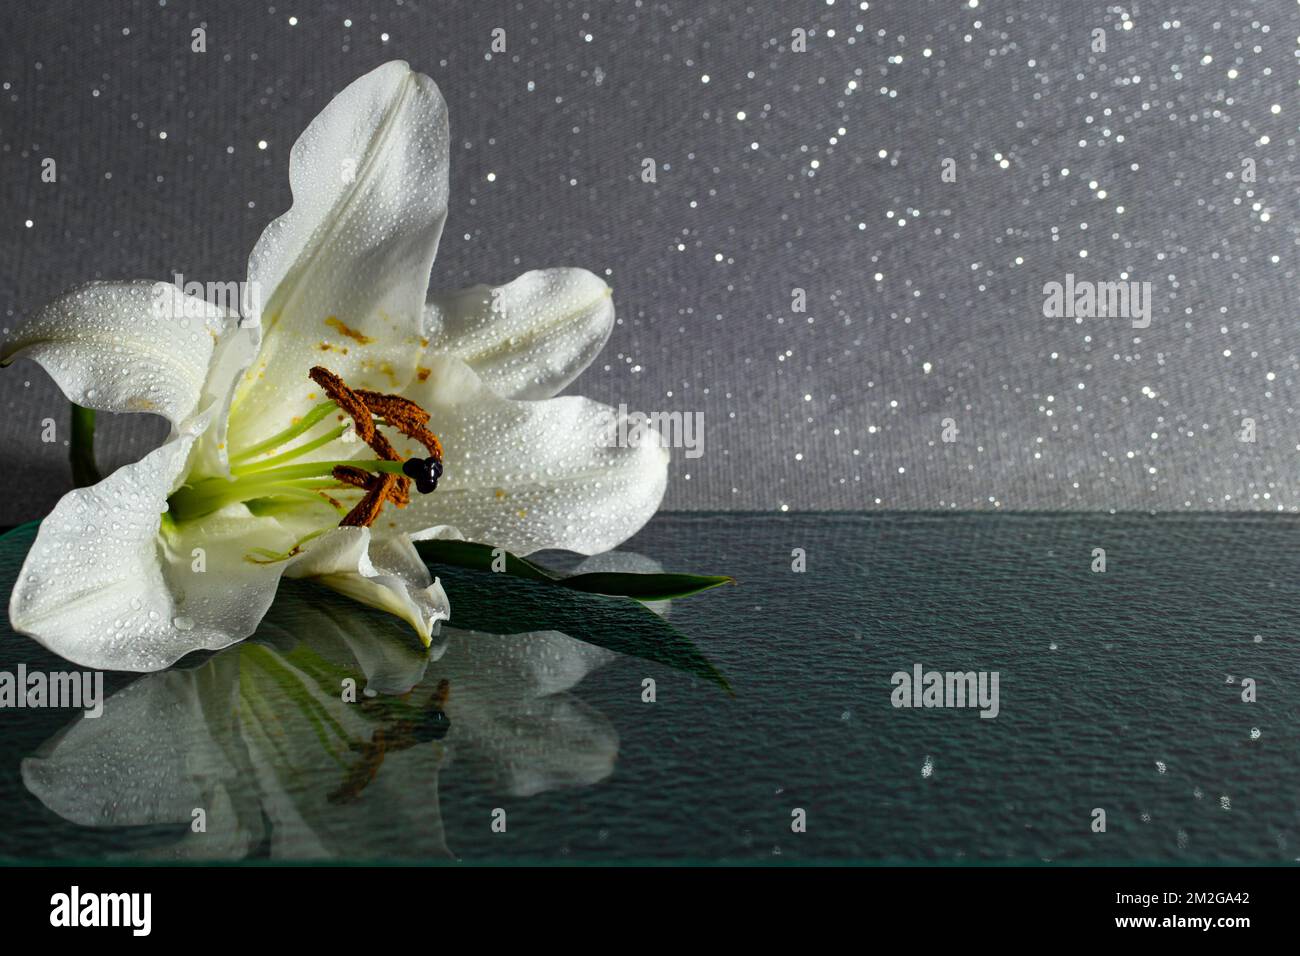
[406, 416]
[401, 493]
[346, 399]
[352, 476]
[392, 406]
[366, 510]
[428, 439]
[357, 478]
[363, 406]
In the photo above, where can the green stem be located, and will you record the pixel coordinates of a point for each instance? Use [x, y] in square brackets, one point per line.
[81, 451]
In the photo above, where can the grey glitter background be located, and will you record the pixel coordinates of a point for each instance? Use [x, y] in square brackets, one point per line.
[777, 170]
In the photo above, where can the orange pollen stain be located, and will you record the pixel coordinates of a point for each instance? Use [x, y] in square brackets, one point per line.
[334, 322]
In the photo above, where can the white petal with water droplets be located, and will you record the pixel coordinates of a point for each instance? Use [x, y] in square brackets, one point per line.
[226, 601]
[383, 571]
[124, 347]
[343, 274]
[531, 475]
[528, 338]
[234, 352]
[104, 589]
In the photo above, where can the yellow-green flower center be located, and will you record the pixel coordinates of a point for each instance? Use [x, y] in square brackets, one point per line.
[267, 484]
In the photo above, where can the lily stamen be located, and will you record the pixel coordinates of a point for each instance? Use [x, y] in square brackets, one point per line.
[386, 478]
[403, 414]
[267, 556]
[293, 431]
[212, 494]
[291, 454]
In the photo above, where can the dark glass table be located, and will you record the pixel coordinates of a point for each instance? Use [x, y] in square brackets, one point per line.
[530, 734]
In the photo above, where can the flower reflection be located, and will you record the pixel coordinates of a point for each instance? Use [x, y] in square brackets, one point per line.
[326, 737]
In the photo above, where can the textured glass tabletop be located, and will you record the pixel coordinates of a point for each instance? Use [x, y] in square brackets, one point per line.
[764, 730]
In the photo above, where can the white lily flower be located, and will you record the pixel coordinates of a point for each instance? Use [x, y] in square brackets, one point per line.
[184, 549]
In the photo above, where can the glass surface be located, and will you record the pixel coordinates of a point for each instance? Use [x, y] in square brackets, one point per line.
[1120, 690]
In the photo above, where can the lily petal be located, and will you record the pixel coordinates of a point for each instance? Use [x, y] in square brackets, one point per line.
[383, 571]
[234, 352]
[102, 587]
[531, 475]
[529, 338]
[124, 347]
[107, 584]
[343, 273]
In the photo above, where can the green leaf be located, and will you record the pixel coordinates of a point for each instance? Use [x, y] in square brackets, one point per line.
[81, 449]
[642, 587]
[505, 604]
